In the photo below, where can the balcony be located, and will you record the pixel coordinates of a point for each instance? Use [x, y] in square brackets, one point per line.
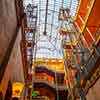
[51, 84]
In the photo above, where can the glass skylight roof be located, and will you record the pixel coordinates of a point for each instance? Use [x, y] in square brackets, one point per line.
[49, 46]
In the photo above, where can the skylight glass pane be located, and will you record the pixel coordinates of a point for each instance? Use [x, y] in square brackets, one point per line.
[50, 46]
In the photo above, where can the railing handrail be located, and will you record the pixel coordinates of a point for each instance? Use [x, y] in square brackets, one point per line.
[62, 86]
[50, 69]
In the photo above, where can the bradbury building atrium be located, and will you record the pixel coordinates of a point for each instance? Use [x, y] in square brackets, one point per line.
[49, 50]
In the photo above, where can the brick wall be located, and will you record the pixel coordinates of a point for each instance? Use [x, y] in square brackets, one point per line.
[8, 24]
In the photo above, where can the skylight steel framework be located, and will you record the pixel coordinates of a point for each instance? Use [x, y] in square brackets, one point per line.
[48, 21]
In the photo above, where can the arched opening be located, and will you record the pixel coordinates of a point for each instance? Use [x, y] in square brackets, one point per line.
[14, 98]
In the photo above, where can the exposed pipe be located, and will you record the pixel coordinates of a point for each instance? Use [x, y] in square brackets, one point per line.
[46, 14]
